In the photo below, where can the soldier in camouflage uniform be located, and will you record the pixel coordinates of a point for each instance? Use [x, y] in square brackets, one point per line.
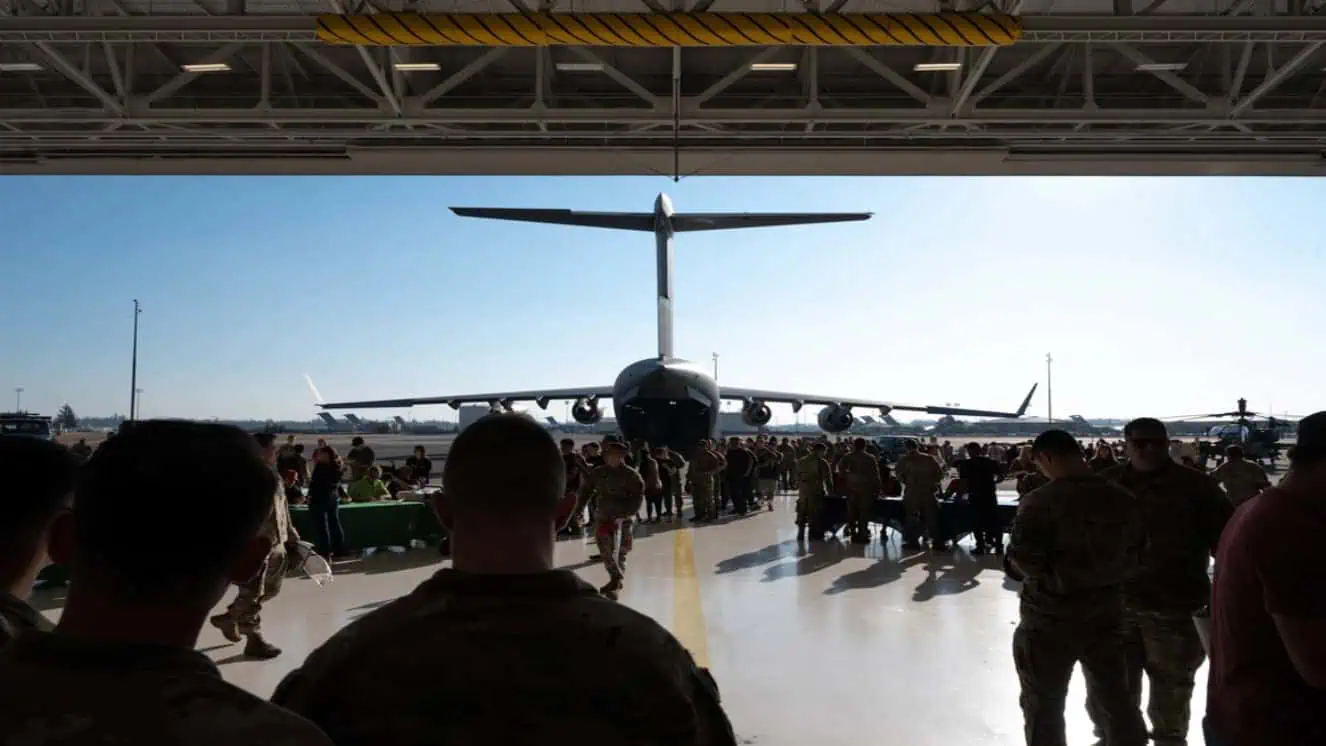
[120, 667]
[618, 491]
[1076, 541]
[1183, 512]
[243, 619]
[860, 470]
[705, 469]
[676, 468]
[921, 476]
[1241, 478]
[815, 482]
[787, 455]
[502, 648]
[39, 484]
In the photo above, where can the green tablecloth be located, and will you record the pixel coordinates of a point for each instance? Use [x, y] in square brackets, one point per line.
[370, 525]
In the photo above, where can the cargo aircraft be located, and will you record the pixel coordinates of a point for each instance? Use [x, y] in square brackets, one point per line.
[666, 400]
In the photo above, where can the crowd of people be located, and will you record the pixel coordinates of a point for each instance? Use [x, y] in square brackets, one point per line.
[1111, 543]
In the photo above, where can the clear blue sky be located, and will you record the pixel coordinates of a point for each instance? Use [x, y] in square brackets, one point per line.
[1156, 296]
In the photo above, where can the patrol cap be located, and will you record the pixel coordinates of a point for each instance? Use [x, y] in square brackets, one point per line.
[820, 446]
[265, 439]
[1311, 445]
[615, 445]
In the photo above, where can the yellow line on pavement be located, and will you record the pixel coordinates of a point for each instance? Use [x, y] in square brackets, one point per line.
[687, 610]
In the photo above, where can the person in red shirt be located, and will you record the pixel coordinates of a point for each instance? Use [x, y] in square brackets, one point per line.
[1268, 610]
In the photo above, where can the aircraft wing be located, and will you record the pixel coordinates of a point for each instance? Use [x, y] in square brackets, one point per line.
[797, 400]
[717, 221]
[627, 221]
[539, 396]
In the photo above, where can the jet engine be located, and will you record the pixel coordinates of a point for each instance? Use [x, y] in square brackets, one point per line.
[756, 414]
[835, 418]
[586, 412]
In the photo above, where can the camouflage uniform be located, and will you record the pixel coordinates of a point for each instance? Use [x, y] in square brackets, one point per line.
[675, 465]
[921, 476]
[704, 471]
[246, 609]
[439, 666]
[1076, 541]
[862, 481]
[815, 481]
[788, 466]
[64, 691]
[1183, 513]
[1241, 479]
[17, 616]
[618, 492]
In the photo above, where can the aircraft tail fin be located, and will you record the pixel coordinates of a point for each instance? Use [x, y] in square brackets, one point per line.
[1027, 402]
[717, 221]
[317, 397]
[625, 221]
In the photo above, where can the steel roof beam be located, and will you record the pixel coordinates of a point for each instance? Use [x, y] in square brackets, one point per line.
[1015, 72]
[71, 71]
[1036, 28]
[114, 133]
[623, 79]
[690, 116]
[1169, 78]
[461, 75]
[728, 80]
[1276, 78]
[889, 74]
[184, 78]
[313, 53]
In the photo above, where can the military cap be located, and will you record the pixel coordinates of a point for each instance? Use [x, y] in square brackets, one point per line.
[615, 445]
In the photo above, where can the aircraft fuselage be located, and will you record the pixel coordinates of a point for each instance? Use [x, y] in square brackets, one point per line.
[668, 402]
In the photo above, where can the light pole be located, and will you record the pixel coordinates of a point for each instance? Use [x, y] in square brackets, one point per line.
[1049, 389]
[18, 398]
[139, 401]
[133, 370]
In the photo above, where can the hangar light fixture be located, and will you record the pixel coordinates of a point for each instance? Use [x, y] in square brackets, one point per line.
[769, 67]
[417, 67]
[19, 67]
[206, 67]
[579, 67]
[1161, 67]
[937, 67]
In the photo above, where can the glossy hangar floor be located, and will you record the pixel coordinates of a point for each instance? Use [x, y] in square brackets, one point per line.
[828, 644]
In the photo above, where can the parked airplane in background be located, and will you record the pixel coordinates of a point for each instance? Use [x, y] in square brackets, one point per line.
[665, 400]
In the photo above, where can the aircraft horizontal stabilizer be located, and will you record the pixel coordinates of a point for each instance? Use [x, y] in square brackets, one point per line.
[717, 221]
[625, 221]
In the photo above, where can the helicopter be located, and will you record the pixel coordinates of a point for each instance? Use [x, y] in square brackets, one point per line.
[1260, 442]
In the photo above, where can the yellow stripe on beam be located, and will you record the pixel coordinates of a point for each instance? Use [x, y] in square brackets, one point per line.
[672, 29]
[688, 623]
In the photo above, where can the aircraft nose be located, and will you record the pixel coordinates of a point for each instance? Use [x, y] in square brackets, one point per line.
[663, 204]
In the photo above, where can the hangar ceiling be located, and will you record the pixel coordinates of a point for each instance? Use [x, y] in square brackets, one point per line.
[246, 86]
